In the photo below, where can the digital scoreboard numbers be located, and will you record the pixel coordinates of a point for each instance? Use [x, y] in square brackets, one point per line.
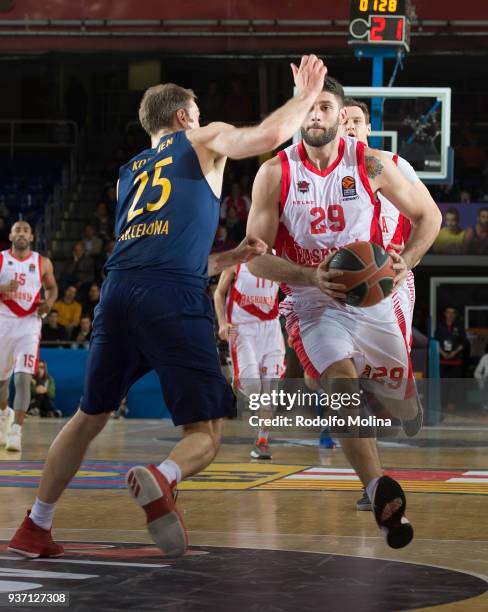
[380, 22]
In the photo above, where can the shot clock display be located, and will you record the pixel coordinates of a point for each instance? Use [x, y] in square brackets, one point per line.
[380, 22]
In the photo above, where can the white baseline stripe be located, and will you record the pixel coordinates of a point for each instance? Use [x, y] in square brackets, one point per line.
[324, 477]
[473, 480]
[323, 470]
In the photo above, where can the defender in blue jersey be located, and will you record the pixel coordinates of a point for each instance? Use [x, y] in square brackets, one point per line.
[154, 313]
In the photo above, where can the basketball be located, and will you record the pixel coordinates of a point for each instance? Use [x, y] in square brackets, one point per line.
[368, 273]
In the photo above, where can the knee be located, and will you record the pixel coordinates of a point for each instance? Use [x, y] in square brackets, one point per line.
[312, 383]
[341, 369]
[90, 424]
[210, 436]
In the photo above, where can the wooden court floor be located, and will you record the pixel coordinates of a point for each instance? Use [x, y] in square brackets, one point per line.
[303, 500]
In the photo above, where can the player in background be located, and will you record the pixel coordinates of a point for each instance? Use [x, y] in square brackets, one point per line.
[395, 227]
[308, 201]
[154, 313]
[247, 314]
[23, 274]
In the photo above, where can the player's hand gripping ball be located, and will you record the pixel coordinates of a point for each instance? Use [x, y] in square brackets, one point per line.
[368, 273]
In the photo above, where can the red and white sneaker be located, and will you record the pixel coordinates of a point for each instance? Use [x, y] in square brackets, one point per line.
[155, 495]
[33, 541]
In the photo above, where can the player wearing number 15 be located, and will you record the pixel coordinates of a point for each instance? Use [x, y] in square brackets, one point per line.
[154, 313]
[23, 274]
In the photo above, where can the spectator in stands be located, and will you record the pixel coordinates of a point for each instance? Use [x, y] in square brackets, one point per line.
[451, 237]
[221, 241]
[4, 233]
[81, 271]
[245, 184]
[92, 243]
[92, 301]
[476, 237]
[236, 228]
[43, 392]
[107, 251]
[453, 342]
[465, 197]
[82, 334]
[69, 310]
[52, 333]
[236, 200]
[110, 197]
[481, 375]
[103, 222]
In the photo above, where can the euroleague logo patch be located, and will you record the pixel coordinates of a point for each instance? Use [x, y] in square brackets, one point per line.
[348, 187]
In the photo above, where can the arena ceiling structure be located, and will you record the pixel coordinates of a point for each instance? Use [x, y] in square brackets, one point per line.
[223, 26]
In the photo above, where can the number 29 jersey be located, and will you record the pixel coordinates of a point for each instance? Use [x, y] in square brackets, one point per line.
[323, 210]
[167, 214]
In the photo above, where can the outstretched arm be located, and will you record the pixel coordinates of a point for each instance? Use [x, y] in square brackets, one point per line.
[225, 140]
[244, 252]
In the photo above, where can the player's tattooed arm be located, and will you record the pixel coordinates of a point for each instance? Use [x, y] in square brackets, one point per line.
[374, 167]
[414, 203]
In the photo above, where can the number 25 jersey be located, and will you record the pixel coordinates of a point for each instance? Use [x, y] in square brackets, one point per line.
[167, 214]
[323, 210]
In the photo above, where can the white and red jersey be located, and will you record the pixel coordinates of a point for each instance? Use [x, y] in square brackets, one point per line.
[28, 273]
[395, 227]
[251, 299]
[323, 210]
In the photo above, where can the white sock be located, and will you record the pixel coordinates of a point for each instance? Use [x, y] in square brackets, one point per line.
[42, 514]
[170, 470]
[16, 428]
[371, 488]
[263, 434]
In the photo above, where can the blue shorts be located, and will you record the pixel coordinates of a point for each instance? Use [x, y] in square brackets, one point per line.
[144, 323]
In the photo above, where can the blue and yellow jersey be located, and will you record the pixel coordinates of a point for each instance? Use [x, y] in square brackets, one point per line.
[167, 214]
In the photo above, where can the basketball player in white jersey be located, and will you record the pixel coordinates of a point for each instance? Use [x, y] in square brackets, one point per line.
[23, 273]
[247, 314]
[395, 227]
[310, 200]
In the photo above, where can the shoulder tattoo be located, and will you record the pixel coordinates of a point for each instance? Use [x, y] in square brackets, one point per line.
[374, 167]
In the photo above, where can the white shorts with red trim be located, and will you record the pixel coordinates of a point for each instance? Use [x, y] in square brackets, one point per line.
[379, 350]
[19, 344]
[406, 298]
[258, 353]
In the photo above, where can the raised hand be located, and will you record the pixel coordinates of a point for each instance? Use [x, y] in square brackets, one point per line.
[309, 76]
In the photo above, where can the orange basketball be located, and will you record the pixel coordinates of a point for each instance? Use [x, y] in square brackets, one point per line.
[368, 273]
